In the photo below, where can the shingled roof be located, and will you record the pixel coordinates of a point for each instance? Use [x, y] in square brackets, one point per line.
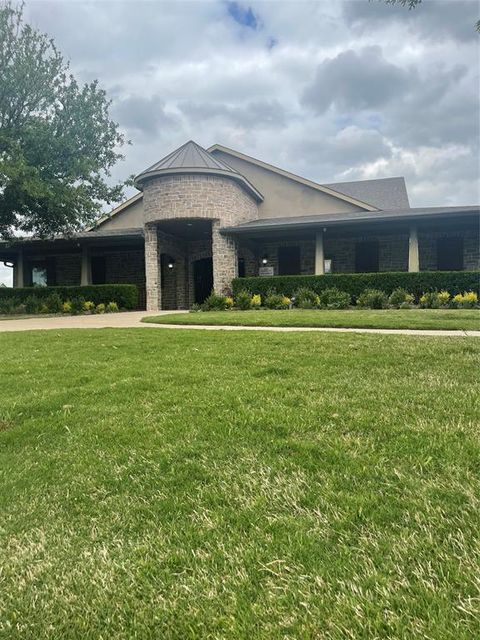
[384, 193]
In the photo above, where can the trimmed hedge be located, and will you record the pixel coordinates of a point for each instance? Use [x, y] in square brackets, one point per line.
[125, 295]
[354, 283]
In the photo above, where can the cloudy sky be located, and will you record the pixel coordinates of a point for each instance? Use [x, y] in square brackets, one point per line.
[334, 90]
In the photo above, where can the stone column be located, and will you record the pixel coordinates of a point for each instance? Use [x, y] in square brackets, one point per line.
[86, 269]
[413, 253]
[18, 271]
[319, 254]
[152, 268]
[225, 260]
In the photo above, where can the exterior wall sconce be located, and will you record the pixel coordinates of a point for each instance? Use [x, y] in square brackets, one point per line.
[171, 263]
[265, 260]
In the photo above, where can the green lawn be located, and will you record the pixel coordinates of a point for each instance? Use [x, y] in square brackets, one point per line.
[159, 484]
[386, 319]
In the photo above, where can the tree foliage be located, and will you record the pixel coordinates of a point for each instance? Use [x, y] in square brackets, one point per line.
[57, 141]
[411, 4]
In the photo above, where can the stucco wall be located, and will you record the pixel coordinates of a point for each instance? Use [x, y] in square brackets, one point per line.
[283, 196]
[129, 218]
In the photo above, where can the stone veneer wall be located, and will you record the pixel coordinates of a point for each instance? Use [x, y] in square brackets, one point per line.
[393, 254]
[211, 197]
[427, 245]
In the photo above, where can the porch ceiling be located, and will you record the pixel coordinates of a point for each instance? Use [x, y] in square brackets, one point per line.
[187, 229]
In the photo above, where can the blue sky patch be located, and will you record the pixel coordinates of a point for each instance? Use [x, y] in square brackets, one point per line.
[243, 15]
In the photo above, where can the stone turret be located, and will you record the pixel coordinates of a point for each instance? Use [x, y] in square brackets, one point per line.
[185, 188]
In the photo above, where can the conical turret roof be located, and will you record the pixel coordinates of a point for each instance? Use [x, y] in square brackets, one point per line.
[192, 158]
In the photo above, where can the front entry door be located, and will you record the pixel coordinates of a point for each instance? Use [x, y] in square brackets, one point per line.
[202, 279]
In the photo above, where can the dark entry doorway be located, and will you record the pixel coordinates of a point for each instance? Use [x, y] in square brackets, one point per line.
[202, 279]
[366, 257]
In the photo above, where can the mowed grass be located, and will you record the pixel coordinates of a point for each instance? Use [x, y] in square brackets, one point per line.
[238, 485]
[461, 319]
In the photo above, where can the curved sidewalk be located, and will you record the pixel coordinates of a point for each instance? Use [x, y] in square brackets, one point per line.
[132, 319]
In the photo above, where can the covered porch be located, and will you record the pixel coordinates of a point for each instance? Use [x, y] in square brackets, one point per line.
[307, 246]
[86, 258]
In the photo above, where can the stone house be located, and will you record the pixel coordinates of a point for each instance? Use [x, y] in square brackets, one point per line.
[203, 217]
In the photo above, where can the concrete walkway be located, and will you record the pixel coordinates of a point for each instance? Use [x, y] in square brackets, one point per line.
[132, 319]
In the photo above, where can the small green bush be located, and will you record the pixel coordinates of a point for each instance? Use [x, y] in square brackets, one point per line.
[430, 300]
[126, 295]
[277, 301]
[32, 304]
[112, 307]
[100, 308]
[214, 302]
[243, 300]
[398, 297]
[67, 307]
[88, 306]
[8, 306]
[305, 298]
[373, 299]
[76, 305]
[54, 303]
[195, 308]
[256, 301]
[333, 298]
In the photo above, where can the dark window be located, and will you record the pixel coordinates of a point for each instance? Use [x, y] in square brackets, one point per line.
[99, 270]
[450, 254]
[202, 279]
[366, 256]
[241, 267]
[288, 261]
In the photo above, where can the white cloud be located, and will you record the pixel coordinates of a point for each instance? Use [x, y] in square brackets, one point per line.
[329, 90]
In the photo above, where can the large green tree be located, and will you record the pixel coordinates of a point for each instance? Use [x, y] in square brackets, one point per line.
[57, 140]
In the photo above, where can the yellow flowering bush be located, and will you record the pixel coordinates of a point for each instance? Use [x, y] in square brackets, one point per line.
[443, 297]
[466, 300]
[256, 301]
[228, 302]
[67, 307]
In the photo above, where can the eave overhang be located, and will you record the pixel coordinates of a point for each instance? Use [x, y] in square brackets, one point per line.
[156, 173]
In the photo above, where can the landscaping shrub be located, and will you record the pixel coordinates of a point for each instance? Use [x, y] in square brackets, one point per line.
[466, 300]
[256, 301]
[430, 300]
[214, 302]
[277, 301]
[54, 303]
[76, 305]
[373, 299]
[305, 298]
[67, 307]
[88, 306]
[112, 307]
[126, 295]
[195, 307]
[32, 304]
[333, 298]
[100, 308]
[399, 296]
[229, 302]
[354, 283]
[243, 300]
[444, 298]
[9, 305]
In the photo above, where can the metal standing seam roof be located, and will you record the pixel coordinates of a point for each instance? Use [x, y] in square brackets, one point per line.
[192, 158]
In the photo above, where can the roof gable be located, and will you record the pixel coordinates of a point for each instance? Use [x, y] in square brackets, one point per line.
[292, 176]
